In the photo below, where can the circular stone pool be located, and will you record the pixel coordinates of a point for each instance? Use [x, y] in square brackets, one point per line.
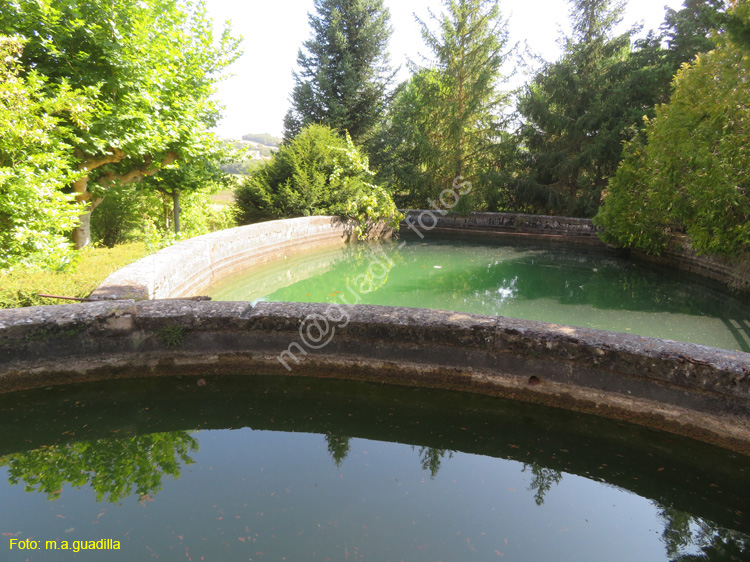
[560, 284]
[285, 468]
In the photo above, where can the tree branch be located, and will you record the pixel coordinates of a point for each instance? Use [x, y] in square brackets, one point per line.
[80, 186]
[137, 174]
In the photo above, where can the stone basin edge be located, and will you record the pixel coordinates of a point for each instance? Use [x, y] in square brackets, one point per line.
[688, 389]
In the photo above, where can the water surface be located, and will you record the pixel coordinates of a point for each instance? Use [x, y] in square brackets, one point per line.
[554, 284]
[286, 468]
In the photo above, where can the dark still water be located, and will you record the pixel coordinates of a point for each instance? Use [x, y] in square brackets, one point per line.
[284, 468]
[551, 283]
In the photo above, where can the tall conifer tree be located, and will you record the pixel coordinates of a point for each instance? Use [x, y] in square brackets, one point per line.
[446, 116]
[579, 111]
[344, 69]
[573, 119]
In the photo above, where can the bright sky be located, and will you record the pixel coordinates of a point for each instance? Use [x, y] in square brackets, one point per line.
[256, 97]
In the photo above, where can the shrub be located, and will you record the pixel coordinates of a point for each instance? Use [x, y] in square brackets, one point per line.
[147, 215]
[690, 173]
[317, 173]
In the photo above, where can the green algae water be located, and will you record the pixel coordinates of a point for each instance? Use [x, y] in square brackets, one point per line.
[289, 468]
[554, 284]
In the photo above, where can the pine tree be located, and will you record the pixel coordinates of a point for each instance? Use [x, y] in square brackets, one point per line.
[580, 110]
[687, 31]
[445, 118]
[469, 53]
[575, 116]
[344, 69]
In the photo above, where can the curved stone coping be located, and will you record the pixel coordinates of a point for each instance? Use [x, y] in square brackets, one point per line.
[189, 267]
[425, 220]
[689, 389]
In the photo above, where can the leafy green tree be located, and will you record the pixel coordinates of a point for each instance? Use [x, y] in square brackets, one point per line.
[684, 532]
[317, 173]
[430, 459]
[152, 65]
[203, 170]
[141, 213]
[36, 161]
[344, 69]
[689, 170]
[737, 27]
[113, 468]
[445, 119]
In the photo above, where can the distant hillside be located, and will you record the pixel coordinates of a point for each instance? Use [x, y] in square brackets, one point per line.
[257, 149]
[263, 138]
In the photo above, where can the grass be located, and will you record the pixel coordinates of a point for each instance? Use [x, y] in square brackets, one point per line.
[172, 335]
[224, 197]
[21, 287]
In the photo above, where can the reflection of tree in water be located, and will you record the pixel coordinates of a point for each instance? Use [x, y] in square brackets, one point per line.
[338, 447]
[373, 266]
[542, 481]
[431, 458]
[113, 468]
[691, 539]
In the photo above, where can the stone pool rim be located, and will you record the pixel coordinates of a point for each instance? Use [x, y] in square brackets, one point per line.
[688, 389]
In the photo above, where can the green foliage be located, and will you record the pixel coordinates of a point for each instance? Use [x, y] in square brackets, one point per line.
[579, 111]
[120, 216]
[344, 69]
[705, 539]
[444, 120]
[688, 31]
[201, 173]
[690, 170]
[575, 121]
[128, 215]
[113, 468]
[149, 67]
[737, 26]
[317, 173]
[338, 447]
[542, 481]
[171, 335]
[430, 459]
[35, 162]
[21, 286]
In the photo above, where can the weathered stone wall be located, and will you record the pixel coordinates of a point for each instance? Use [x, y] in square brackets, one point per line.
[426, 220]
[726, 271]
[684, 388]
[189, 267]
